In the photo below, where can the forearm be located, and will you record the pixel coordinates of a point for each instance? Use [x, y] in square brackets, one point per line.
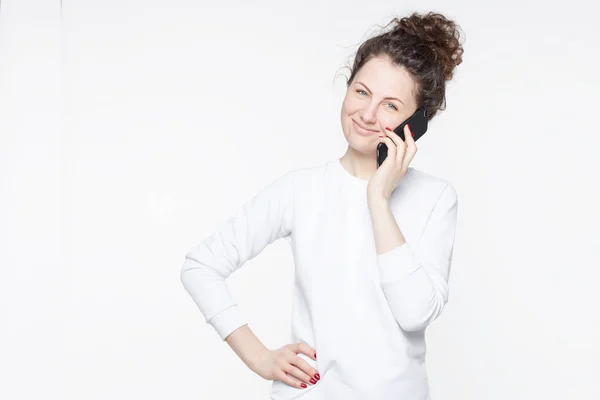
[409, 292]
[386, 231]
[246, 345]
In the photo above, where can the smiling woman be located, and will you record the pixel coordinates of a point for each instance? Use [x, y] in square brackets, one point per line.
[393, 74]
[364, 290]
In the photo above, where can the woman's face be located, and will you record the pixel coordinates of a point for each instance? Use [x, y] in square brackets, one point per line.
[381, 95]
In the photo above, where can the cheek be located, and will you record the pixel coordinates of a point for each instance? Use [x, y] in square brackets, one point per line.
[390, 122]
[345, 107]
[391, 119]
[350, 105]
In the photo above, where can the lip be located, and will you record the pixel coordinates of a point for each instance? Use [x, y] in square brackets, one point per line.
[362, 131]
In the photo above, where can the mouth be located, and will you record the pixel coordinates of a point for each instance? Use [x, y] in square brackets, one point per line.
[363, 131]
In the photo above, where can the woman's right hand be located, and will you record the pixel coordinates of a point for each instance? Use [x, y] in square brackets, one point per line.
[284, 364]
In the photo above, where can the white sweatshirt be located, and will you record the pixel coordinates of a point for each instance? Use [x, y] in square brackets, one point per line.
[364, 313]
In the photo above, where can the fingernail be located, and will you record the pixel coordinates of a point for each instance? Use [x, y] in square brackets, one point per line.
[315, 355]
[317, 376]
[303, 385]
[388, 129]
[313, 381]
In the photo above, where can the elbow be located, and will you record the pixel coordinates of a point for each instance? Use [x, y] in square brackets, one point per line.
[415, 325]
[183, 277]
[419, 317]
[188, 279]
[187, 266]
[195, 276]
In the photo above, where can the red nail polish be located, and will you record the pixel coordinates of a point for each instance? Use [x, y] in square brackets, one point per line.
[315, 355]
[317, 376]
[388, 129]
[303, 385]
[313, 381]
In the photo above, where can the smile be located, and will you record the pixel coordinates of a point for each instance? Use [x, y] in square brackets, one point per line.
[362, 131]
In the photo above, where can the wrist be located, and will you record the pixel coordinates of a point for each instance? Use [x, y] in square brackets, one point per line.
[247, 346]
[257, 356]
[377, 201]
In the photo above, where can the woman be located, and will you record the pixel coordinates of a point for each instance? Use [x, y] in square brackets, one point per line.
[372, 245]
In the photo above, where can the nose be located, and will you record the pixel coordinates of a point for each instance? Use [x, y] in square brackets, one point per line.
[369, 113]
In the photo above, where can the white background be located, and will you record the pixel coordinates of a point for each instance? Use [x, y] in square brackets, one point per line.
[129, 129]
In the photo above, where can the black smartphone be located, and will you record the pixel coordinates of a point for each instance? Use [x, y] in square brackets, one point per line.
[418, 126]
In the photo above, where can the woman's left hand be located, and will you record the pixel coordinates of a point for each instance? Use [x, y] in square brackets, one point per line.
[394, 167]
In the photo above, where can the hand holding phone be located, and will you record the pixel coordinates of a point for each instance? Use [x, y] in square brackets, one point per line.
[418, 126]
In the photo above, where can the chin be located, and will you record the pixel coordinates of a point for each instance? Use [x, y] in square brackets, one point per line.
[361, 144]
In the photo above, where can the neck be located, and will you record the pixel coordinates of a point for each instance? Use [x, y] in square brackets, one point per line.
[361, 165]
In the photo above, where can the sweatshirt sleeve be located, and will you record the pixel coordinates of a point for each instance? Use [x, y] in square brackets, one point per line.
[259, 222]
[414, 278]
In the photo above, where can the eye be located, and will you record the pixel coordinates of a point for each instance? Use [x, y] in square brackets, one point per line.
[360, 91]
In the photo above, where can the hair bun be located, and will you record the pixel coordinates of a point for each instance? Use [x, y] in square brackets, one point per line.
[437, 32]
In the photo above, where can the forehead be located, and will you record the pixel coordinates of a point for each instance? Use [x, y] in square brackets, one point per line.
[386, 79]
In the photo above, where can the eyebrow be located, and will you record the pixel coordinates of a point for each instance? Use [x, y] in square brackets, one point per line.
[392, 98]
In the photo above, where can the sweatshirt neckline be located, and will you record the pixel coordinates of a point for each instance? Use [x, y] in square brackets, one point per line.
[347, 176]
[359, 183]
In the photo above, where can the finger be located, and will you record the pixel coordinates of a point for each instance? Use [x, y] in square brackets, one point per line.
[403, 145]
[411, 147]
[306, 369]
[289, 380]
[395, 137]
[408, 157]
[408, 135]
[391, 148]
[296, 372]
[306, 349]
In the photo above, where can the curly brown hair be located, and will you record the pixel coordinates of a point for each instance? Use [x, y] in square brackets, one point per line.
[427, 46]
